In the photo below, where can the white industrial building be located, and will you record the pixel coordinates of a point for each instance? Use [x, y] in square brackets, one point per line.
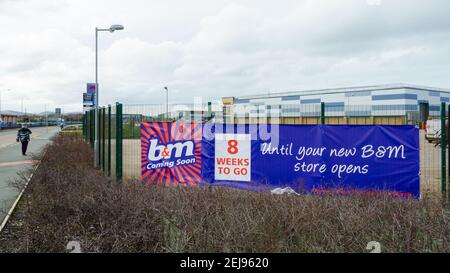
[397, 100]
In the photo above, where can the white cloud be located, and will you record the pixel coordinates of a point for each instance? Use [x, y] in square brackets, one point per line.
[215, 48]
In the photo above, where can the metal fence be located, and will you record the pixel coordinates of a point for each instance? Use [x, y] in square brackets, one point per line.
[118, 142]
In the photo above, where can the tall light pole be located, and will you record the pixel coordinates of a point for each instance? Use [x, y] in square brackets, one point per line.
[167, 103]
[97, 30]
[7, 90]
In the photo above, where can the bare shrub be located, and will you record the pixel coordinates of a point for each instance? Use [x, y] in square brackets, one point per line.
[69, 200]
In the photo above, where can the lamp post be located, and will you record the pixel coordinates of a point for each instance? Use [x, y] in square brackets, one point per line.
[167, 103]
[7, 90]
[97, 30]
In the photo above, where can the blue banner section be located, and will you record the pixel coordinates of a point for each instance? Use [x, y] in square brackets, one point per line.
[313, 159]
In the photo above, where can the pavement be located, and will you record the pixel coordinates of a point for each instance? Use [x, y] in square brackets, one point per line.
[12, 162]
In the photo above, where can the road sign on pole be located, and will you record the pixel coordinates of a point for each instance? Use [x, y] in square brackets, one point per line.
[91, 89]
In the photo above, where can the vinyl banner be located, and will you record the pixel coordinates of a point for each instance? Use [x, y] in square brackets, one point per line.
[171, 153]
[309, 159]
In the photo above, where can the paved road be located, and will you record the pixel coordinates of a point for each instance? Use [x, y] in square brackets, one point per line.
[12, 162]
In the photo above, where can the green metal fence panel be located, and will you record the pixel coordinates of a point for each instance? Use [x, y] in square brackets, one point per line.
[121, 130]
[322, 113]
[109, 141]
[87, 126]
[448, 152]
[103, 129]
[92, 128]
[113, 140]
[209, 111]
[86, 135]
[119, 141]
[105, 141]
[443, 148]
[84, 125]
[99, 138]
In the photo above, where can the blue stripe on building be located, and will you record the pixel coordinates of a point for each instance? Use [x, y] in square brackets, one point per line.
[242, 101]
[311, 101]
[395, 97]
[290, 98]
[335, 106]
[290, 110]
[435, 108]
[399, 107]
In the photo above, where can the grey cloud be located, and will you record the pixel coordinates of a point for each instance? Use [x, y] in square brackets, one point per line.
[218, 48]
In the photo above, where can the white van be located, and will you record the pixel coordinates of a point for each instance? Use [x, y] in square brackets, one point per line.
[433, 130]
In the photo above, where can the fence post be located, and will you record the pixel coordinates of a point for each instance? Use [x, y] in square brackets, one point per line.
[104, 139]
[224, 114]
[448, 143]
[322, 113]
[84, 125]
[443, 148]
[119, 141]
[88, 126]
[92, 129]
[87, 137]
[99, 137]
[209, 111]
[109, 140]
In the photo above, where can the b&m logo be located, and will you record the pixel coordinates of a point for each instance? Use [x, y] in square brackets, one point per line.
[176, 150]
[171, 153]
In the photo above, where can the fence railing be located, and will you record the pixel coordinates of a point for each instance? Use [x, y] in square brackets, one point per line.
[118, 144]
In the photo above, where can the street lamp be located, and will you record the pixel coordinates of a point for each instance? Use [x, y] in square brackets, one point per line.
[167, 103]
[97, 30]
[7, 90]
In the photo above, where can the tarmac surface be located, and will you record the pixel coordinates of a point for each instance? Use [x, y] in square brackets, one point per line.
[12, 162]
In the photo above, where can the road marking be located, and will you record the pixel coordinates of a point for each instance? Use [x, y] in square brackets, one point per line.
[17, 163]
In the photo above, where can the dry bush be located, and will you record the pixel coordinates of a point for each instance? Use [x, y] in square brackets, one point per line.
[69, 200]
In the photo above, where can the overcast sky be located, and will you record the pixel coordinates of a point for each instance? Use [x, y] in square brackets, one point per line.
[215, 48]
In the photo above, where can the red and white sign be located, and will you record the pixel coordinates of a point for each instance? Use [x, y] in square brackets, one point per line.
[233, 157]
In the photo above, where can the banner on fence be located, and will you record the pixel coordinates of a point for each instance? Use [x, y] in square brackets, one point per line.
[313, 159]
[171, 153]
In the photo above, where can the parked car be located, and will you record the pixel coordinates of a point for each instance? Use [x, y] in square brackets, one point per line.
[433, 130]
